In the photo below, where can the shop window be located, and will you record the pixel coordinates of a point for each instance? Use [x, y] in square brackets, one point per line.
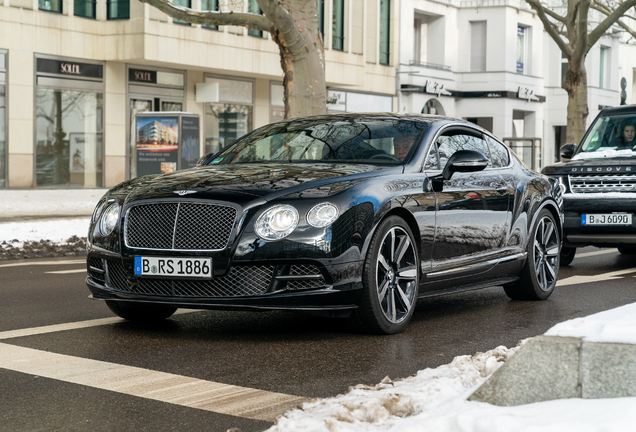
[117, 9]
[253, 7]
[604, 68]
[478, 46]
[84, 8]
[231, 117]
[50, 5]
[385, 31]
[337, 36]
[210, 5]
[184, 3]
[69, 138]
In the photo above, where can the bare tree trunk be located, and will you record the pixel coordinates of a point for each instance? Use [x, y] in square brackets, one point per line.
[575, 84]
[303, 77]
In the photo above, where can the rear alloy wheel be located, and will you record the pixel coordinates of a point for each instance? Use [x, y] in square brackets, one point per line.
[390, 279]
[140, 312]
[627, 250]
[539, 275]
[567, 256]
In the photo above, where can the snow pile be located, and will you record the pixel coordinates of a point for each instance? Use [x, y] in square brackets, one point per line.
[435, 400]
[395, 404]
[62, 237]
[615, 325]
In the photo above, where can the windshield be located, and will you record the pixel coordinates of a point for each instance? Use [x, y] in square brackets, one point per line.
[611, 136]
[357, 140]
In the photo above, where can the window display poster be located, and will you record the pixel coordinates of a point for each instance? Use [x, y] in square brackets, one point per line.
[190, 147]
[157, 144]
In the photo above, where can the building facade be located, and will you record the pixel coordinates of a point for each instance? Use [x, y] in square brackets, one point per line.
[491, 62]
[74, 74]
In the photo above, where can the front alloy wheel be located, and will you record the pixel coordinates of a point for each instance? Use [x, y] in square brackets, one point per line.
[539, 275]
[390, 279]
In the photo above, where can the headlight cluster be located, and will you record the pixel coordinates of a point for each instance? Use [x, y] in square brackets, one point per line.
[109, 218]
[280, 221]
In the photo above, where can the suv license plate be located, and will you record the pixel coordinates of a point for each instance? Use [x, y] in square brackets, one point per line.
[174, 267]
[606, 219]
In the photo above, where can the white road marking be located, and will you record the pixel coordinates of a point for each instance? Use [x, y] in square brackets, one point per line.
[9, 334]
[601, 252]
[32, 263]
[573, 280]
[160, 386]
[67, 271]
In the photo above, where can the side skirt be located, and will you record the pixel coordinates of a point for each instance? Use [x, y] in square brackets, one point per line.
[468, 287]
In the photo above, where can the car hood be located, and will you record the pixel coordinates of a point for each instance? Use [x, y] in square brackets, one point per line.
[244, 182]
[593, 166]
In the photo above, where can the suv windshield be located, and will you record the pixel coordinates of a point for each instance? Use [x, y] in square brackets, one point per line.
[357, 140]
[610, 136]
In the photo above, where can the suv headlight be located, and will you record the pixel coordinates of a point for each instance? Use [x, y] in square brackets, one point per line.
[322, 215]
[109, 219]
[277, 222]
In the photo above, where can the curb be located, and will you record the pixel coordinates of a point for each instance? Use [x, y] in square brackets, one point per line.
[553, 367]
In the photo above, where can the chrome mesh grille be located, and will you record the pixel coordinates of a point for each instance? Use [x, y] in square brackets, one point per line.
[241, 281]
[179, 226]
[117, 278]
[603, 183]
[303, 270]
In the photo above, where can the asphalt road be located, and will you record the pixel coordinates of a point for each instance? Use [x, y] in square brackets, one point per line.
[67, 364]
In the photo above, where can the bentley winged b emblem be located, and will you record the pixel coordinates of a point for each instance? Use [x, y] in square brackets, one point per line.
[184, 192]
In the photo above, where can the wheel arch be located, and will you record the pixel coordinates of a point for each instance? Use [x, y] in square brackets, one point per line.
[405, 215]
[553, 208]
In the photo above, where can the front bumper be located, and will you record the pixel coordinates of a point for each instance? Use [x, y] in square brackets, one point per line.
[300, 285]
[577, 235]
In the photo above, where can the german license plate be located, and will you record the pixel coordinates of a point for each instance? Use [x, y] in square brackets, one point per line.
[174, 267]
[606, 219]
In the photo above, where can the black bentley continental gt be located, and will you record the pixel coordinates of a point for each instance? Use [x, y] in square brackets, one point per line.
[342, 215]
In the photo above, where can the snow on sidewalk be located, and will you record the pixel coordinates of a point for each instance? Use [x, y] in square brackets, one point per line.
[435, 400]
[57, 230]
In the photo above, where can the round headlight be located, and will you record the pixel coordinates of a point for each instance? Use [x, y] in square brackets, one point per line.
[109, 219]
[98, 211]
[277, 222]
[322, 215]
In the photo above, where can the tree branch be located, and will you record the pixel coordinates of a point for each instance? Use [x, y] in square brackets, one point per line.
[254, 21]
[550, 27]
[606, 10]
[600, 30]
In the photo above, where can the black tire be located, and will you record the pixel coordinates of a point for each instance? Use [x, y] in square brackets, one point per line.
[140, 312]
[627, 250]
[390, 279]
[566, 256]
[540, 272]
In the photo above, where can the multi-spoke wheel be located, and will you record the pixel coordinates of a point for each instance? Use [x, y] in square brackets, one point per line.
[567, 256]
[390, 279]
[539, 275]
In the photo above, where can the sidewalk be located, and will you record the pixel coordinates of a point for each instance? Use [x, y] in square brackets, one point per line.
[17, 205]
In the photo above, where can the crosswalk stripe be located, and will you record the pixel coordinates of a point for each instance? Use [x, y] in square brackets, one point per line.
[580, 279]
[67, 271]
[160, 386]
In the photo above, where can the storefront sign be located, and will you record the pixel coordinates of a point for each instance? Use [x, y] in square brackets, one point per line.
[145, 76]
[527, 94]
[61, 67]
[157, 144]
[190, 147]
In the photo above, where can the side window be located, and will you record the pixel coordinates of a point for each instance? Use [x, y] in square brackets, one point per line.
[431, 160]
[499, 156]
[447, 145]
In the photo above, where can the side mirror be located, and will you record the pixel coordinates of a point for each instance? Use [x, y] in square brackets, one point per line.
[205, 158]
[567, 151]
[464, 161]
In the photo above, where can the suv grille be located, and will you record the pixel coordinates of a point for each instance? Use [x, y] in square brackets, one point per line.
[179, 226]
[603, 183]
[240, 281]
